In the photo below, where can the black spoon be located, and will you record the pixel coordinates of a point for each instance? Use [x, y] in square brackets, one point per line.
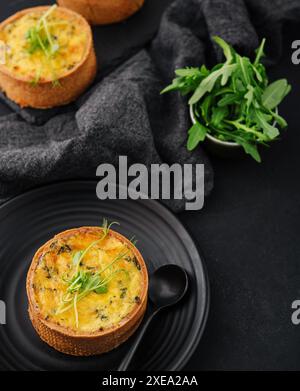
[167, 286]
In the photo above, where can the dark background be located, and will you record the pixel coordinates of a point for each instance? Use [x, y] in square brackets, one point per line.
[248, 230]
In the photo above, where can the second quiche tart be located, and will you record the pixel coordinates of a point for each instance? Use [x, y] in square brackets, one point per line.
[49, 58]
[87, 290]
[104, 11]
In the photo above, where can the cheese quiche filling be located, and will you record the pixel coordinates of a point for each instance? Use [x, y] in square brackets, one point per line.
[87, 280]
[44, 45]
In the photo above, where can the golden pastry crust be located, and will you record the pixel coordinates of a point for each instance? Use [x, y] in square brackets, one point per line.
[104, 11]
[45, 93]
[71, 340]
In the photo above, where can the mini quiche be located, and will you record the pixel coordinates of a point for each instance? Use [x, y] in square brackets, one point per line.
[104, 11]
[87, 290]
[49, 58]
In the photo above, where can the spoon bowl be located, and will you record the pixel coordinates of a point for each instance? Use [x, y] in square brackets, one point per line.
[168, 285]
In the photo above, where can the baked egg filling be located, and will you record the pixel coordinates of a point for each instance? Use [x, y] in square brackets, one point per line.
[87, 281]
[44, 45]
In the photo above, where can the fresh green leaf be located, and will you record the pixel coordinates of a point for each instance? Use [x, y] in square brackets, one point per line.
[197, 134]
[187, 80]
[188, 72]
[227, 50]
[258, 75]
[274, 93]
[218, 114]
[248, 131]
[260, 52]
[204, 71]
[208, 83]
[102, 289]
[205, 108]
[251, 150]
[223, 91]
[228, 99]
[243, 64]
[271, 131]
[250, 95]
[279, 119]
[172, 87]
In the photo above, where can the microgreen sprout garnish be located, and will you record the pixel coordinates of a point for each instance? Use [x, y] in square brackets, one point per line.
[106, 227]
[134, 241]
[79, 255]
[35, 81]
[84, 282]
[39, 38]
[233, 101]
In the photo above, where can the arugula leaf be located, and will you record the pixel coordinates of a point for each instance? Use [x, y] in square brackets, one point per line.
[187, 79]
[278, 118]
[268, 129]
[251, 149]
[205, 108]
[249, 131]
[208, 83]
[197, 133]
[274, 93]
[260, 52]
[188, 72]
[257, 73]
[218, 114]
[228, 99]
[172, 87]
[243, 64]
[227, 50]
[249, 96]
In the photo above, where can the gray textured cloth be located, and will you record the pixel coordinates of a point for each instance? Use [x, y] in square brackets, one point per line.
[124, 113]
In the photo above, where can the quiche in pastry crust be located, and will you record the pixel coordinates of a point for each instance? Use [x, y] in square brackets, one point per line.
[48, 57]
[87, 290]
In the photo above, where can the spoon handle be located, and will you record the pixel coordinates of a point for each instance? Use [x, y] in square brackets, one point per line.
[141, 332]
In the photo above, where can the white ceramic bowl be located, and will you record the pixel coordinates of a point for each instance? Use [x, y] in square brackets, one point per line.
[221, 148]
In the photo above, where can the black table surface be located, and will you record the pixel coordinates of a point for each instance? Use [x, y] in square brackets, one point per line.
[248, 232]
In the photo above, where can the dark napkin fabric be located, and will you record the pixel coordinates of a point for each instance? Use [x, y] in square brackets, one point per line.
[124, 113]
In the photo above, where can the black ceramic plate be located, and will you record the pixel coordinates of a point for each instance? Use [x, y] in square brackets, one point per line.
[29, 220]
